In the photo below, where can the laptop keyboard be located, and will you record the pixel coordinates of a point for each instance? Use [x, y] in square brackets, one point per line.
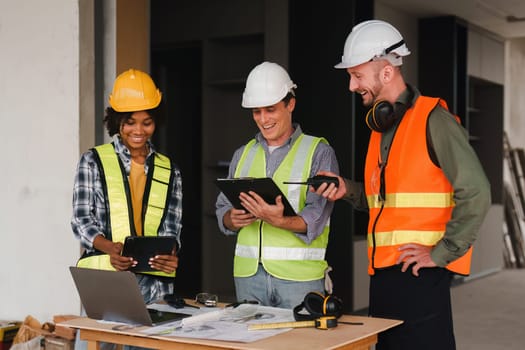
[163, 316]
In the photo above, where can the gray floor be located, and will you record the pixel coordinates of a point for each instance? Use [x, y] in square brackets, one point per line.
[489, 312]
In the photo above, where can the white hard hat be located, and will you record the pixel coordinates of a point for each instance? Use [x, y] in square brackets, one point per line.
[267, 84]
[373, 40]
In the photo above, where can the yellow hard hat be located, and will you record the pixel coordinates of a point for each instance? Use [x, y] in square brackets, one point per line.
[134, 91]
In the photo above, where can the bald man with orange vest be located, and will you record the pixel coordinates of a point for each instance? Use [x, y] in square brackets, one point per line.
[424, 188]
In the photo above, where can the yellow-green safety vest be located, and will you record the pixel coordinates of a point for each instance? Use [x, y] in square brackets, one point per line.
[282, 253]
[120, 215]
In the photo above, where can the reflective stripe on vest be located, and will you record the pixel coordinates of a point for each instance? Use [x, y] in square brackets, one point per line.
[158, 195]
[282, 253]
[118, 203]
[278, 253]
[419, 198]
[410, 200]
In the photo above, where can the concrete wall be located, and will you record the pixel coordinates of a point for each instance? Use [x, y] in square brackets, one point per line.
[514, 90]
[39, 113]
[47, 84]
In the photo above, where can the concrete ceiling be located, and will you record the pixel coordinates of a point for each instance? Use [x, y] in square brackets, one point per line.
[505, 18]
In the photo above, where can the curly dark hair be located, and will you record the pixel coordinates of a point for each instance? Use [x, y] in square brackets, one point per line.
[113, 119]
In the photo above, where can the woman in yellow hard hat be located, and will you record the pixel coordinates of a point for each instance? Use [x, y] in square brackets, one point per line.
[127, 188]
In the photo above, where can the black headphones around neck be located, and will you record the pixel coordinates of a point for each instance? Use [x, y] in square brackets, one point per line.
[383, 115]
[317, 305]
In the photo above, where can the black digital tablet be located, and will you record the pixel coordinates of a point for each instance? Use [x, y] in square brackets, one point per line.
[264, 187]
[142, 248]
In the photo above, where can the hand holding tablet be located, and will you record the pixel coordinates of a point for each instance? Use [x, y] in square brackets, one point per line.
[264, 187]
[142, 248]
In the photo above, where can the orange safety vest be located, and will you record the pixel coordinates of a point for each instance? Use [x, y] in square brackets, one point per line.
[418, 197]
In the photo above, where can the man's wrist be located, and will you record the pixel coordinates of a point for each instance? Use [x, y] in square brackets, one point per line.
[441, 256]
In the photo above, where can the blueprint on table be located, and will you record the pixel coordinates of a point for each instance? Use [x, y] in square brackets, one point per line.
[229, 324]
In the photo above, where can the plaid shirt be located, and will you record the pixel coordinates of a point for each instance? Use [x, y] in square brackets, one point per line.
[90, 212]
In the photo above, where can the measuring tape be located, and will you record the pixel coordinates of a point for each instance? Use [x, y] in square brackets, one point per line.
[320, 323]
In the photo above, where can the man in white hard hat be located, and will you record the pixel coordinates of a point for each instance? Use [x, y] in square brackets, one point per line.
[425, 191]
[278, 259]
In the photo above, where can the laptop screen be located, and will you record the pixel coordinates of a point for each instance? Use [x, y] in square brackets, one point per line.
[115, 296]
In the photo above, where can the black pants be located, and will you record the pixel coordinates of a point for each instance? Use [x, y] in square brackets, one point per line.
[423, 303]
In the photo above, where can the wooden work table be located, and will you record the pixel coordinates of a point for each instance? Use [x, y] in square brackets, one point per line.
[344, 336]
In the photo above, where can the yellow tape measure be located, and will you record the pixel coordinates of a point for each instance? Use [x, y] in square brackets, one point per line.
[320, 323]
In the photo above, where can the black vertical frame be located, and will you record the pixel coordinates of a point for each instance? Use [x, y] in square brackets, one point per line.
[443, 61]
[100, 99]
[325, 107]
[178, 136]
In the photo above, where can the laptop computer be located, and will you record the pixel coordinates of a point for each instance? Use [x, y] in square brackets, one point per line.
[115, 296]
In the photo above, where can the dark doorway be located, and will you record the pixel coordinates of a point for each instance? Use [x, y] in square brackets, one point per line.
[177, 72]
